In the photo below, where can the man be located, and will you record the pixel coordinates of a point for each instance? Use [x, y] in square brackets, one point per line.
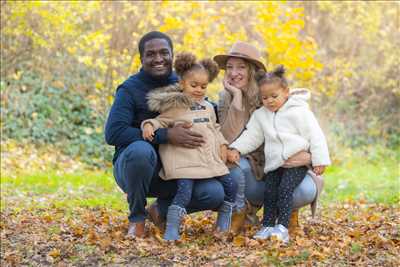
[136, 162]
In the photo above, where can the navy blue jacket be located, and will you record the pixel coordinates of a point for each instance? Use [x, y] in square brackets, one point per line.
[130, 109]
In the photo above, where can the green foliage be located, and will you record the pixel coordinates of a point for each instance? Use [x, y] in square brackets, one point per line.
[61, 62]
[360, 81]
[43, 114]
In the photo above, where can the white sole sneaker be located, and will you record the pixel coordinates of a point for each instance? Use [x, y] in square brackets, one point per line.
[264, 233]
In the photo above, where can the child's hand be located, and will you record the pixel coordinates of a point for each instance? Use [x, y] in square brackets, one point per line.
[233, 156]
[318, 170]
[223, 152]
[148, 132]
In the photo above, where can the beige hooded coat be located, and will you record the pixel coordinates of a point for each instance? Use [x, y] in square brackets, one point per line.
[180, 162]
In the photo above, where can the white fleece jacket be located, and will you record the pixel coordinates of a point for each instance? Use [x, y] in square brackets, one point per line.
[289, 130]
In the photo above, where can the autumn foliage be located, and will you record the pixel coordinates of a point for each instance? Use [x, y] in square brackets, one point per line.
[348, 234]
[347, 54]
[61, 62]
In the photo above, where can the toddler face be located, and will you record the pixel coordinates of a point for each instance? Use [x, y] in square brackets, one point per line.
[273, 96]
[194, 84]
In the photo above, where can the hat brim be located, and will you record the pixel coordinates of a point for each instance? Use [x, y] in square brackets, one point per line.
[222, 59]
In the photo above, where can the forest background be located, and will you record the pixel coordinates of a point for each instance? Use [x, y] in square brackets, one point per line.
[62, 61]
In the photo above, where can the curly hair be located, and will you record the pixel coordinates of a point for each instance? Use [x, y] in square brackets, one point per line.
[212, 68]
[277, 75]
[186, 62]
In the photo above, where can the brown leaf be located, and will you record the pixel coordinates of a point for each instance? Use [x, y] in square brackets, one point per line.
[54, 253]
[239, 241]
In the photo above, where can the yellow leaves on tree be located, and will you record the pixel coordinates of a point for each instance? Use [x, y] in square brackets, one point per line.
[284, 43]
[102, 36]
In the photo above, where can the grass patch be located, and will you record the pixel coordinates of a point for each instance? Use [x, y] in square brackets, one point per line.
[83, 189]
[355, 178]
[360, 178]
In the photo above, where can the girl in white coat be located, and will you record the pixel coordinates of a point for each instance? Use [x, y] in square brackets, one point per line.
[286, 125]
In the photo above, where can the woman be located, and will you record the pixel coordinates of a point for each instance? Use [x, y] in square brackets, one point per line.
[237, 101]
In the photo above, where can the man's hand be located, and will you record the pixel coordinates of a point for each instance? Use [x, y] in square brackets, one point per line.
[223, 152]
[318, 170]
[233, 156]
[148, 132]
[182, 135]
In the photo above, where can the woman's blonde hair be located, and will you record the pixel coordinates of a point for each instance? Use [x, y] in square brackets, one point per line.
[252, 94]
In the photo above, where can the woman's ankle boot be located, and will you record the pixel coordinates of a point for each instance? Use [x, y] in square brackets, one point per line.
[174, 218]
[238, 218]
[251, 214]
[294, 221]
[224, 217]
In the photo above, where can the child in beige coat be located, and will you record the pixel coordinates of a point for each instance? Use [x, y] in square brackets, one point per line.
[185, 103]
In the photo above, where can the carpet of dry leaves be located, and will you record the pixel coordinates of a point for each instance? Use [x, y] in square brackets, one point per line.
[345, 234]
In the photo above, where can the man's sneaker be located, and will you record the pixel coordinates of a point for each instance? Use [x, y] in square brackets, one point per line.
[264, 233]
[281, 233]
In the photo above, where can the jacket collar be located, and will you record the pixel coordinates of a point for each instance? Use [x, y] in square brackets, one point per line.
[154, 82]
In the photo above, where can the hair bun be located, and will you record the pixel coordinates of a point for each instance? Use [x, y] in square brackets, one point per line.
[279, 71]
[184, 62]
[212, 68]
[259, 75]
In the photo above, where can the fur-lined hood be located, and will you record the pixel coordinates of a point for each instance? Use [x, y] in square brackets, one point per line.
[168, 97]
[298, 97]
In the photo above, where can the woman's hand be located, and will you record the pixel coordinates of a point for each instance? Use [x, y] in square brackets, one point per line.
[223, 152]
[301, 158]
[318, 170]
[148, 132]
[233, 156]
[230, 88]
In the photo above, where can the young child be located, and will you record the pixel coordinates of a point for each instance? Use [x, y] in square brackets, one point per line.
[286, 125]
[185, 103]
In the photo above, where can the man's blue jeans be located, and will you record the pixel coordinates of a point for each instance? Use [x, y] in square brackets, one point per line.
[136, 173]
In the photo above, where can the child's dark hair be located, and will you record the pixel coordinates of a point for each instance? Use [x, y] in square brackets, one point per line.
[277, 75]
[186, 62]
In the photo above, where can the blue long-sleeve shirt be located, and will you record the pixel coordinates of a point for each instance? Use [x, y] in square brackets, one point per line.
[130, 109]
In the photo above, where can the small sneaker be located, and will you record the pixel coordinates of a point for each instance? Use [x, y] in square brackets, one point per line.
[264, 233]
[281, 233]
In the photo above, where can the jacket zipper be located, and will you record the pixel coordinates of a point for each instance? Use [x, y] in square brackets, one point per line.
[279, 138]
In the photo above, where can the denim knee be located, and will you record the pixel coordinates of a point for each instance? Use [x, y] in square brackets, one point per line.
[304, 193]
[209, 194]
[138, 157]
[215, 198]
[142, 153]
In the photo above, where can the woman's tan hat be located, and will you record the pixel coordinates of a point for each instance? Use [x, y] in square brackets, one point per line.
[241, 50]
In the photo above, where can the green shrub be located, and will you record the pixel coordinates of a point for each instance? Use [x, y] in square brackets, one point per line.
[42, 114]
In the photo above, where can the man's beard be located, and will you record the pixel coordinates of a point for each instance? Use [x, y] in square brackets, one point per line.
[161, 77]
